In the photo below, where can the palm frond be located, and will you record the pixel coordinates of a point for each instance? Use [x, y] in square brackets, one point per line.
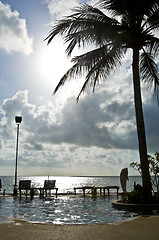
[153, 46]
[102, 68]
[152, 8]
[87, 25]
[98, 35]
[121, 7]
[153, 20]
[61, 27]
[96, 65]
[118, 7]
[149, 70]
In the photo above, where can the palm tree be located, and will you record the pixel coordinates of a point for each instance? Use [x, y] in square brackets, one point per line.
[132, 25]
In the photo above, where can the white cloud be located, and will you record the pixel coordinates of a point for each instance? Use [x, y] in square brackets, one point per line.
[60, 8]
[13, 31]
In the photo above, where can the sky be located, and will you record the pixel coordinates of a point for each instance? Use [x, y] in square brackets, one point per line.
[58, 136]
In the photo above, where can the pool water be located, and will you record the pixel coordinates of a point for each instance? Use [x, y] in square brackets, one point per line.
[63, 210]
[66, 208]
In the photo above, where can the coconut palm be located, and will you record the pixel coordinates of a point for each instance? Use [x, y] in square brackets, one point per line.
[129, 24]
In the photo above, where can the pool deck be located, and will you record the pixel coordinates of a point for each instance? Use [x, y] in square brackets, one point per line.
[141, 228]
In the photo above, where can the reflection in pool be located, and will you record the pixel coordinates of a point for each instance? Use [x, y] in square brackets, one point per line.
[63, 210]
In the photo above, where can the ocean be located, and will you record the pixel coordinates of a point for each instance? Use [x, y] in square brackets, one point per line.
[66, 184]
[66, 208]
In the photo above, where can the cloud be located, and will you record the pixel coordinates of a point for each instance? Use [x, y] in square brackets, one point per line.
[98, 134]
[86, 124]
[92, 122]
[103, 119]
[60, 8]
[17, 105]
[151, 113]
[13, 31]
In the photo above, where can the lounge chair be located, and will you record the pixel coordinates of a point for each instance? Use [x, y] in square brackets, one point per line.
[24, 185]
[48, 186]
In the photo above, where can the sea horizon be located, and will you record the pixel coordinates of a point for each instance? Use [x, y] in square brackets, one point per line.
[36, 175]
[68, 183]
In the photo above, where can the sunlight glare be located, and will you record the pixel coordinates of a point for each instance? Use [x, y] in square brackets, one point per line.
[53, 63]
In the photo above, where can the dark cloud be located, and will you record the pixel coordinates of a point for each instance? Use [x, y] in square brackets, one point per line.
[87, 124]
[98, 124]
[94, 121]
[151, 113]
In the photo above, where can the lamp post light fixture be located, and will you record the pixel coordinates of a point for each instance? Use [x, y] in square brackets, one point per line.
[18, 120]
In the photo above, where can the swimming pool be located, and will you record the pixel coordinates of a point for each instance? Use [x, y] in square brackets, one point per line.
[63, 210]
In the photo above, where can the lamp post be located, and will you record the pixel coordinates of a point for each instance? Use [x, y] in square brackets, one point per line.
[18, 120]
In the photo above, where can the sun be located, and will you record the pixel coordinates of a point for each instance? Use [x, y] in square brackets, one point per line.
[53, 63]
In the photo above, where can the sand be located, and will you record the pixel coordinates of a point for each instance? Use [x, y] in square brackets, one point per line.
[140, 228]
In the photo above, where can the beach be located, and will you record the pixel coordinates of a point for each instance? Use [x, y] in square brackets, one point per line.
[140, 228]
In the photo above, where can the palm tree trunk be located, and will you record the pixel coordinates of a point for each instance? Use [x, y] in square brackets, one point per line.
[141, 128]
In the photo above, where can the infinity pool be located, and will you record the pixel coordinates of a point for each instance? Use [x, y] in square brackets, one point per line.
[62, 210]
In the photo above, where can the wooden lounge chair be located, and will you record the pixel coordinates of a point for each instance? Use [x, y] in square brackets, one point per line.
[24, 185]
[48, 186]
